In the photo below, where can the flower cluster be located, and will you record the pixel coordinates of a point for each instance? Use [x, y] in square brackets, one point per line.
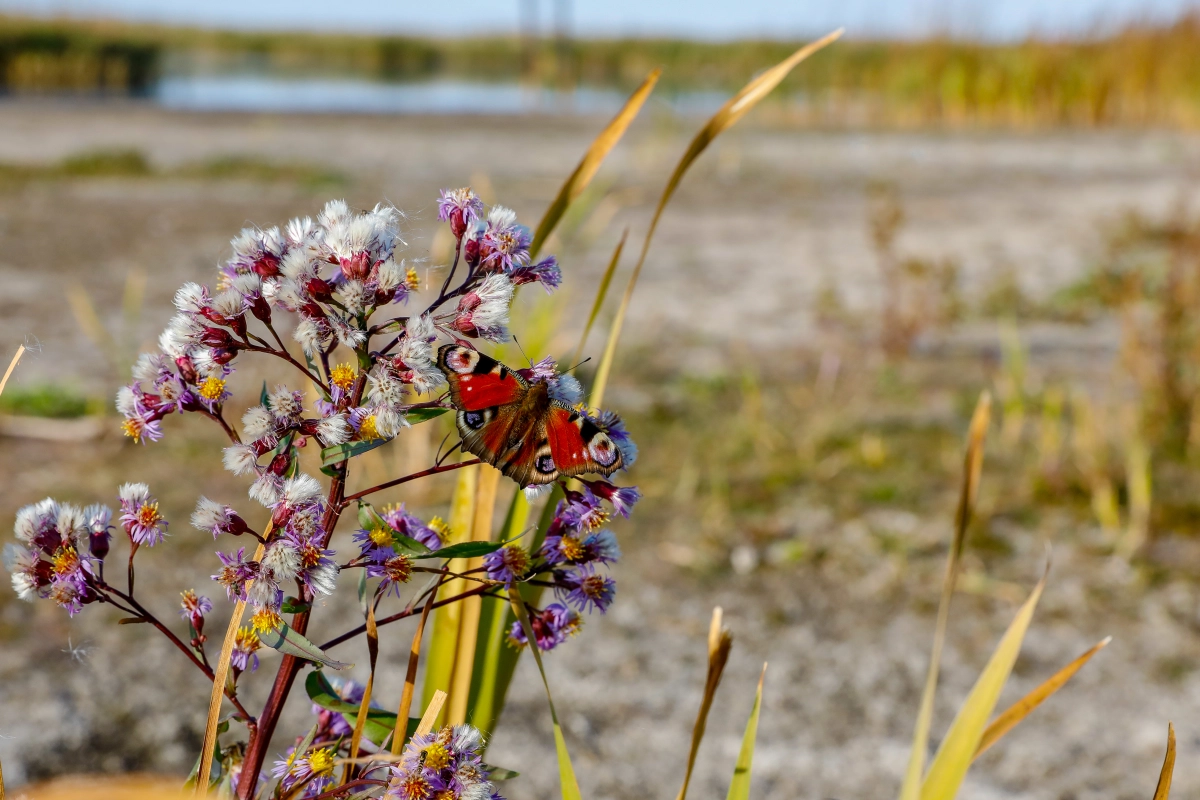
[295, 550]
[51, 558]
[310, 772]
[445, 764]
[575, 548]
[376, 545]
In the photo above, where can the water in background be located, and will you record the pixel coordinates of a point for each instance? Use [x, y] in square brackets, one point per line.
[265, 93]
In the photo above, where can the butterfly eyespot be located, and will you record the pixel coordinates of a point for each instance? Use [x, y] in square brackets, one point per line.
[475, 419]
[602, 450]
[462, 360]
[545, 465]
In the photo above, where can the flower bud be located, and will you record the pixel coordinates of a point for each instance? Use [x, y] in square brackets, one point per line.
[267, 265]
[187, 370]
[471, 253]
[215, 337]
[357, 267]
[280, 464]
[260, 308]
[320, 290]
[98, 543]
[223, 355]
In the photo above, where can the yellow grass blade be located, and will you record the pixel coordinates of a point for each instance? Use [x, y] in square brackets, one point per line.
[220, 675]
[443, 643]
[592, 159]
[410, 679]
[1, 782]
[957, 750]
[598, 303]
[1025, 706]
[972, 467]
[739, 789]
[364, 706]
[431, 713]
[468, 629]
[566, 773]
[720, 642]
[4, 382]
[725, 118]
[1163, 790]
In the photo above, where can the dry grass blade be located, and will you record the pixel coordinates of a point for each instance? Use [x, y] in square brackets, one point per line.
[1025, 706]
[365, 705]
[720, 642]
[1163, 790]
[592, 159]
[410, 679]
[601, 294]
[220, 675]
[12, 365]
[972, 468]
[728, 115]
[431, 713]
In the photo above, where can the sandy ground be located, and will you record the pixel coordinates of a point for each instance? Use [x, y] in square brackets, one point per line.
[754, 234]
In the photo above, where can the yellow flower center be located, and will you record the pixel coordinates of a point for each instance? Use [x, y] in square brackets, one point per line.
[342, 376]
[321, 762]
[65, 560]
[381, 536]
[133, 429]
[414, 787]
[571, 548]
[439, 526]
[366, 431]
[265, 620]
[247, 640]
[411, 280]
[436, 756]
[212, 388]
[148, 515]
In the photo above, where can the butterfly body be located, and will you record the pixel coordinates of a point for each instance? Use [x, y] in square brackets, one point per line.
[516, 426]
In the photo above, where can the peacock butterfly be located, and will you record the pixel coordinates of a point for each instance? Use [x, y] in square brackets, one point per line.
[517, 427]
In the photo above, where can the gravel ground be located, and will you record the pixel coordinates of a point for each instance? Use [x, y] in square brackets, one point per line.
[757, 230]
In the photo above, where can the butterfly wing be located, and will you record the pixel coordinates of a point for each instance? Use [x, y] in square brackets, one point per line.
[577, 445]
[478, 382]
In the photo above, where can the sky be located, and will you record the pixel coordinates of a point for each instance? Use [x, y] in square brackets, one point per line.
[703, 19]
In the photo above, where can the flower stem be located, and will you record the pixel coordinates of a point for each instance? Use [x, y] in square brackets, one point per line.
[414, 476]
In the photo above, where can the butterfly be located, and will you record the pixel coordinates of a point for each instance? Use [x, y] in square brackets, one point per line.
[517, 427]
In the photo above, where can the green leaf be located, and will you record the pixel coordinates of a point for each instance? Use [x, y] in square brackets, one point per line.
[379, 722]
[287, 641]
[566, 772]
[957, 750]
[462, 550]
[343, 452]
[739, 788]
[500, 774]
[292, 605]
[416, 416]
[262, 396]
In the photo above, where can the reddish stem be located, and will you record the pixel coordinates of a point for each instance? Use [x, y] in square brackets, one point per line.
[422, 474]
[408, 612]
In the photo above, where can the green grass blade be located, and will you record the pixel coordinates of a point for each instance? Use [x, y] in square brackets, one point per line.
[566, 772]
[725, 118]
[957, 750]
[601, 294]
[491, 648]
[972, 468]
[739, 789]
[592, 159]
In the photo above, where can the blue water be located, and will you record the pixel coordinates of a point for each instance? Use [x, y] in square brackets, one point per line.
[265, 93]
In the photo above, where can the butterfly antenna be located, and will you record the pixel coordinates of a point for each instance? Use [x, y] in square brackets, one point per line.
[449, 452]
[437, 457]
[522, 349]
[580, 364]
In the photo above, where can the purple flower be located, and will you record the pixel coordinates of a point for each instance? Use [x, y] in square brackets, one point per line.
[582, 510]
[459, 207]
[615, 428]
[507, 564]
[585, 589]
[395, 571]
[235, 573]
[245, 646]
[622, 498]
[193, 608]
[504, 244]
[546, 272]
[551, 627]
[139, 515]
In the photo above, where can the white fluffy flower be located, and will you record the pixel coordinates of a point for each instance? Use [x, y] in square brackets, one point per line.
[282, 559]
[134, 495]
[501, 217]
[191, 297]
[383, 389]
[210, 516]
[539, 490]
[72, 524]
[390, 275]
[21, 562]
[257, 423]
[347, 335]
[352, 295]
[417, 354]
[284, 403]
[490, 316]
[263, 591]
[335, 213]
[301, 490]
[229, 303]
[334, 430]
[322, 578]
[240, 459]
[388, 422]
[149, 366]
[310, 336]
[181, 334]
[265, 490]
[126, 401]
